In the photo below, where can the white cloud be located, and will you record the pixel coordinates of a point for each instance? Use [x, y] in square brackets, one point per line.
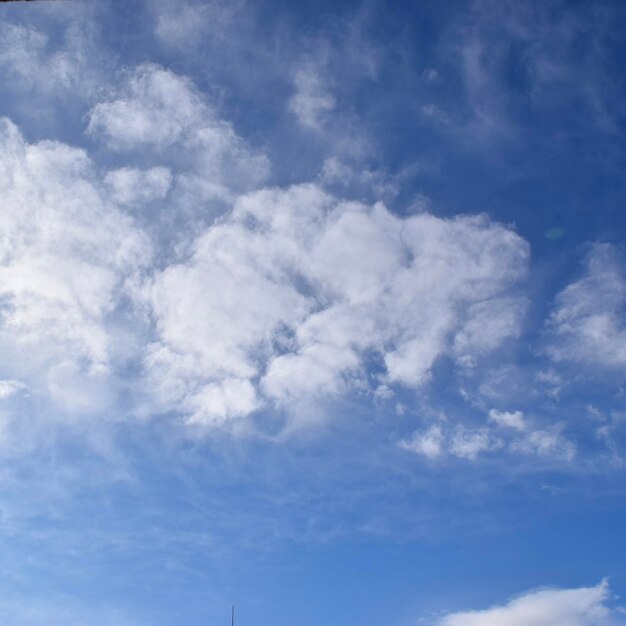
[585, 606]
[508, 419]
[586, 324]
[154, 108]
[65, 254]
[428, 443]
[511, 435]
[285, 298]
[438, 441]
[295, 290]
[229, 398]
[157, 110]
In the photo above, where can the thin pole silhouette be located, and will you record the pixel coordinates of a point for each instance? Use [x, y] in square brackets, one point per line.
[232, 622]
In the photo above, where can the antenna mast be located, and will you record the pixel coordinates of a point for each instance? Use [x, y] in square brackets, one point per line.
[232, 621]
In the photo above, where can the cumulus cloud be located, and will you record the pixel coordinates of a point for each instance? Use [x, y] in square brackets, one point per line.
[66, 253]
[294, 292]
[154, 108]
[585, 606]
[439, 441]
[587, 324]
[508, 419]
[157, 110]
[428, 443]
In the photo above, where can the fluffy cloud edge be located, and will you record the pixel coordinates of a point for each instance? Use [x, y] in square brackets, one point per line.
[583, 606]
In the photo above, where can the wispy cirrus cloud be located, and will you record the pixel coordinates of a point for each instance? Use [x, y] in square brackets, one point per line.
[514, 60]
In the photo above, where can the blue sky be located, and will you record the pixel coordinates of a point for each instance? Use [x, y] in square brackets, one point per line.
[315, 310]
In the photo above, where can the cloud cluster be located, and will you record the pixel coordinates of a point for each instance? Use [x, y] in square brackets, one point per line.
[296, 294]
[292, 294]
[585, 606]
[508, 431]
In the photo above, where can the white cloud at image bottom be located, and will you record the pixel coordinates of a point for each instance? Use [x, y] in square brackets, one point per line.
[585, 606]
